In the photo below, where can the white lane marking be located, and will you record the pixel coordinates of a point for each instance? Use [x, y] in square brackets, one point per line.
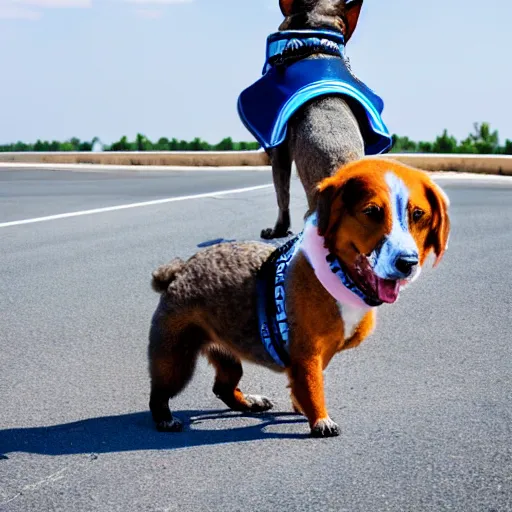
[133, 205]
[435, 175]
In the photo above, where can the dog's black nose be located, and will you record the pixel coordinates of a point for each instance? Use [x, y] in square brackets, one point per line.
[405, 264]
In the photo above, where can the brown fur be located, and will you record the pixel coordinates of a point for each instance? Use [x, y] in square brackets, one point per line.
[208, 303]
[331, 14]
[363, 184]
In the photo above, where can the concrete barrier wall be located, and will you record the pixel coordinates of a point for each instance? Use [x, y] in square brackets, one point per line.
[171, 158]
[480, 164]
[483, 164]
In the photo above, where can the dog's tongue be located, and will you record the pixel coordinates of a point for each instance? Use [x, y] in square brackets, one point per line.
[387, 290]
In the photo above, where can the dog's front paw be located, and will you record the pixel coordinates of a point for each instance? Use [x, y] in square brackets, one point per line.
[257, 403]
[174, 425]
[325, 428]
[271, 233]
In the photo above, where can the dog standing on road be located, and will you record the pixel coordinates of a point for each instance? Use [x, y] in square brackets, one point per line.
[309, 107]
[293, 308]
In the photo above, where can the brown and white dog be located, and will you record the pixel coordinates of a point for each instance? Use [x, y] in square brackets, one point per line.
[375, 224]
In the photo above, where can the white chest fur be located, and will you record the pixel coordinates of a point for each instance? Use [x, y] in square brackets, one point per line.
[351, 316]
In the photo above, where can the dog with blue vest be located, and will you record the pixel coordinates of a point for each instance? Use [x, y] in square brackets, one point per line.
[308, 107]
[292, 308]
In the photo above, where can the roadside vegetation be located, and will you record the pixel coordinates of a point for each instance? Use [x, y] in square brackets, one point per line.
[482, 140]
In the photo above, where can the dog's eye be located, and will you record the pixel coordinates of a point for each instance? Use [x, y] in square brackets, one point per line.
[417, 214]
[374, 212]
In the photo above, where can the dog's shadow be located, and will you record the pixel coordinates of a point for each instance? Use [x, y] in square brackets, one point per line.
[129, 432]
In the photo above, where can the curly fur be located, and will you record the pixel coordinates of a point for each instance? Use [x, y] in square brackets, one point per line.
[218, 281]
[165, 274]
[208, 304]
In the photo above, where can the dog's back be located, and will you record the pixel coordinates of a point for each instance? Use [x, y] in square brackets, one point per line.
[324, 135]
[214, 291]
[211, 273]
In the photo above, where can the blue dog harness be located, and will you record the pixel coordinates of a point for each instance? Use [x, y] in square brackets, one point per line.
[271, 296]
[290, 79]
[272, 315]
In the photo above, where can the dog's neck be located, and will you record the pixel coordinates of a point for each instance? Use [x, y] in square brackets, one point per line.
[328, 270]
[307, 248]
[288, 46]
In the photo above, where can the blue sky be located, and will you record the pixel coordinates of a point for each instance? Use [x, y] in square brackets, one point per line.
[175, 67]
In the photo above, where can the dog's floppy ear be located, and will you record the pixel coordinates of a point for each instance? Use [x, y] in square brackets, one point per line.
[437, 239]
[286, 7]
[326, 197]
[352, 12]
[336, 196]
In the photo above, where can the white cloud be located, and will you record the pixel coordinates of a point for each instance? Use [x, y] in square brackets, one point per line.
[9, 11]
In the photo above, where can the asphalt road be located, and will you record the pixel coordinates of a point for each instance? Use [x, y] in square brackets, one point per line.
[424, 404]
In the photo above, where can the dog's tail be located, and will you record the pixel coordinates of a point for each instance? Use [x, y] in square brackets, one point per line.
[164, 275]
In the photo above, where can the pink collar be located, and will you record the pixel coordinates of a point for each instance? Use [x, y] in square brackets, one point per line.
[312, 246]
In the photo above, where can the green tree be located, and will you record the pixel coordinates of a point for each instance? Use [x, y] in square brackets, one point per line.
[162, 144]
[20, 146]
[485, 141]
[198, 145]
[445, 144]
[42, 145]
[403, 144]
[75, 143]
[66, 146]
[121, 145]
[425, 147]
[85, 146]
[142, 143]
[467, 146]
[225, 144]
[507, 148]
[182, 145]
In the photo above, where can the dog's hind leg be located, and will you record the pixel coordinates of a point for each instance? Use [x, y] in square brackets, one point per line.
[228, 372]
[172, 364]
[281, 174]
